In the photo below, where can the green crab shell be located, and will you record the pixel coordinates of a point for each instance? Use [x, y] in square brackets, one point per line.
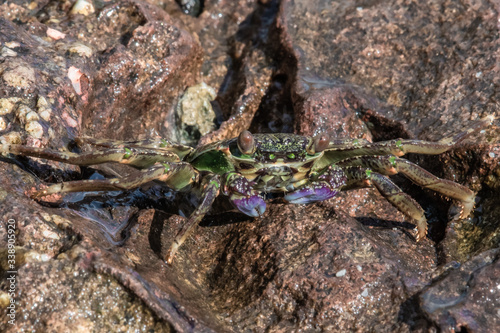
[289, 152]
[214, 157]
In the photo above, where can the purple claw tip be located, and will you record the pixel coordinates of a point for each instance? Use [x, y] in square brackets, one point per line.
[309, 195]
[252, 206]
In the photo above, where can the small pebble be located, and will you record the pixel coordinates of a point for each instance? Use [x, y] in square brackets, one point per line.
[34, 129]
[341, 273]
[3, 124]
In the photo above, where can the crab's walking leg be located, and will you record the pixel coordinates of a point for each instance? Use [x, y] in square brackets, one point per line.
[176, 175]
[136, 157]
[158, 145]
[211, 187]
[390, 165]
[344, 148]
[359, 177]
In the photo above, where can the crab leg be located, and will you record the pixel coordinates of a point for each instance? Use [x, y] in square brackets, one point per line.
[210, 191]
[158, 145]
[344, 148]
[358, 177]
[390, 165]
[139, 158]
[176, 175]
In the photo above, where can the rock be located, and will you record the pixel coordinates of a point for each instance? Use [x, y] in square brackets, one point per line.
[376, 71]
[465, 297]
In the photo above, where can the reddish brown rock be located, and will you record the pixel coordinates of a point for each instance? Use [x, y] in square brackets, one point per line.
[386, 70]
[465, 296]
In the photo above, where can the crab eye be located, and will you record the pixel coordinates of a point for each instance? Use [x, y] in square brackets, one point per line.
[272, 156]
[321, 142]
[291, 156]
[246, 142]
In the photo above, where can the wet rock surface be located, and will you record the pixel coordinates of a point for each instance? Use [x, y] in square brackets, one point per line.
[466, 295]
[372, 70]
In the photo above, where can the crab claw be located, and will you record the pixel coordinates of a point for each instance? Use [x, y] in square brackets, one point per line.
[252, 205]
[327, 186]
[242, 195]
[306, 195]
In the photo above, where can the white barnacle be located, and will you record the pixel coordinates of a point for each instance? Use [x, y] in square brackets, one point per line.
[83, 7]
[81, 49]
[3, 124]
[19, 75]
[341, 273]
[43, 108]
[7, 105]
[32, 116]
[34, 129]
[21, 113]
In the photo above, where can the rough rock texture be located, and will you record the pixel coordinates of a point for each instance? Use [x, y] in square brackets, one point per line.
[117, 72]
[466, 296]
[373, 70]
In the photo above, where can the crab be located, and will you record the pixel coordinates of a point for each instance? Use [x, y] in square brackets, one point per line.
[305, 169]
